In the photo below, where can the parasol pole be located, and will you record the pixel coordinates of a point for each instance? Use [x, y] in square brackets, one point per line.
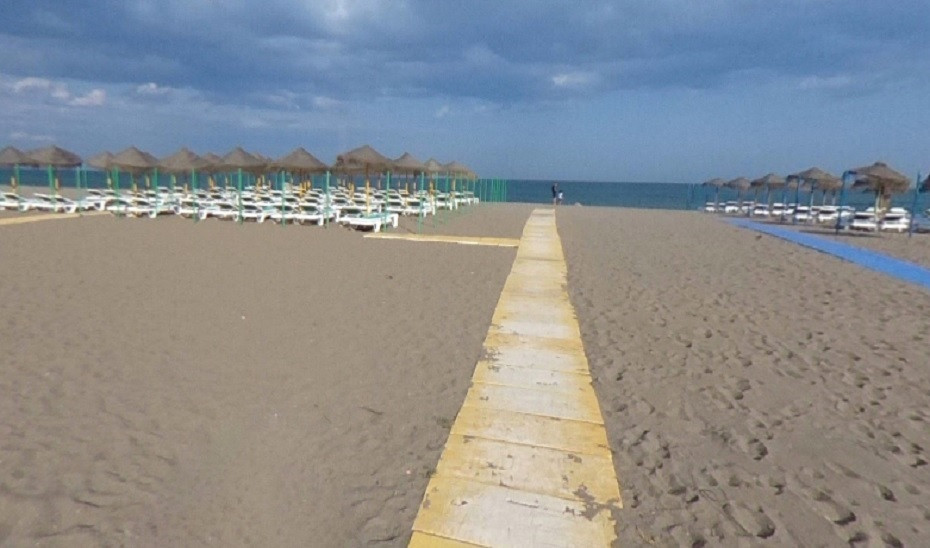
[846, 175]
[239, 193]
[910, 227]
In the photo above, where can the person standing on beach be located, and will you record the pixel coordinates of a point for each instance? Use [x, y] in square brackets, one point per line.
[555, 193]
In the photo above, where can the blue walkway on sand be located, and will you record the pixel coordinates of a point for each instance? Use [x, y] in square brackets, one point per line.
[879, 262]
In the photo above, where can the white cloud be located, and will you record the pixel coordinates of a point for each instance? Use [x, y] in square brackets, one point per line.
[151, 88]
[95, 98]
[326, 103]
[573, 79]
[58, 91]
[23, 136]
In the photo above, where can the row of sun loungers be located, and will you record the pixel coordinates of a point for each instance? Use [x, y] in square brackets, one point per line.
[374, 210]
[895, 219]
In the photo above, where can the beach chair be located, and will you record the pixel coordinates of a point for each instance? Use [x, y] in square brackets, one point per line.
[375, 221]
[9, 200]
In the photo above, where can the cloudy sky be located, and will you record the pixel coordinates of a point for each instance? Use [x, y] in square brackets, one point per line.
[634, 90]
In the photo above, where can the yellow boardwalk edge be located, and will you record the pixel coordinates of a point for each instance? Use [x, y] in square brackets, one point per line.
[45, 217]
[465, 240]
[527, 461]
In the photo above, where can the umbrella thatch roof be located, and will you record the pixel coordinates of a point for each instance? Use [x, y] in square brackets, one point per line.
[818, 178]
[881, 179]
[715, 182]
[101, 161]
[432, 166]
[182, 161]
[770, 180]
[55, 157]
[363, 158]
[133, 160]
[238, 158]
[300, 161]
[10, 156]
[409, 164]
[457, 168]
[740, 183]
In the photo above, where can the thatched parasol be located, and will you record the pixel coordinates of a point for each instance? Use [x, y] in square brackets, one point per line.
[238, 158]
[882, 180]
[10, 157]
[407, 163]
[134, 161]
[182, 161]
[432, 166]
[300, 161]
[456, 168]
[740, 185]
[363, 159]
[54, 156]
[13, 157]
[101, 161]
[716, 183]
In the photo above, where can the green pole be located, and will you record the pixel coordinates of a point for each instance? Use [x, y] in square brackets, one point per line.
[239, 191]
[16, 176]
[420, 196]
[51, 180]
[119, 194]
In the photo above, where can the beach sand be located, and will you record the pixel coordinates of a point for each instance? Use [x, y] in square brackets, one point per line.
[752, 389]
[177, 383]
[171, 383]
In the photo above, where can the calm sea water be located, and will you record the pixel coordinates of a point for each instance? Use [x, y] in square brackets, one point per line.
[619, 194]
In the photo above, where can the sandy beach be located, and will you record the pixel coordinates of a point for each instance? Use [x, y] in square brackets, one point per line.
[171, 383]
[752, 389]
[166, 383]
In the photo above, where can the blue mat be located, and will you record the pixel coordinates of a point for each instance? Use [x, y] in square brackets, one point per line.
[879, 262]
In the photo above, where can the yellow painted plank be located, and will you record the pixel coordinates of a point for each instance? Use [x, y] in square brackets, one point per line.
[45, 217]
[498, 516]
[426, 540]
[565, 355]
[441, 238]
[578, 406]
[551, 472]
[497, 424]
[487, 372]
[527, 462]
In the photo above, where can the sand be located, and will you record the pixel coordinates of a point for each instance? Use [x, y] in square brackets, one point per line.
[752, 389]
[914, 248]
[166, 383]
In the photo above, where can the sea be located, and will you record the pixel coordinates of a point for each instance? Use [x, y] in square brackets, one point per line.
[671, 195]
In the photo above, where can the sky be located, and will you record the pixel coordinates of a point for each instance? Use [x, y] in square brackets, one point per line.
[635, 90]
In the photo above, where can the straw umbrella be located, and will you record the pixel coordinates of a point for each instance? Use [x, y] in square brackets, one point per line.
[133, 161]
[715, 183]
[54, 157]
[13, 157]
[740, 185]
[182, 162]
[769, 181]
[410, 165]
[819, 179]
[299, 161]
[363, 159]
[239, 160]
[882, 180]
